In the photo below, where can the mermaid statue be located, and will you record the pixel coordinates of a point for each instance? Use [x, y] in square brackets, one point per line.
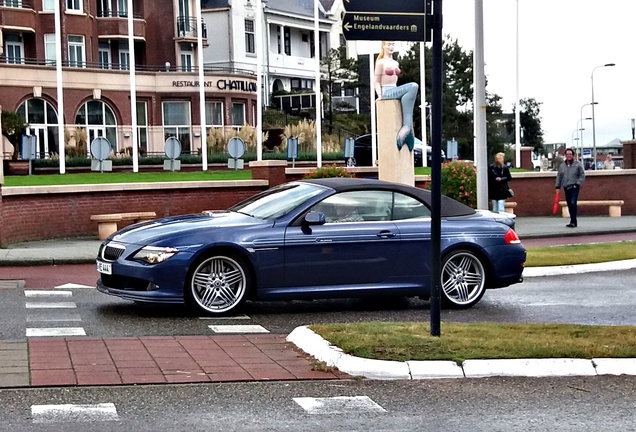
[387, 71]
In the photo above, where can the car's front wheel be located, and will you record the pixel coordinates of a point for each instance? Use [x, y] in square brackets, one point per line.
[218, 284]
[463, 279]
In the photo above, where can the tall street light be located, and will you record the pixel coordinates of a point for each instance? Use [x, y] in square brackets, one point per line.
[593, 120]
[580, 129]
[581, 120]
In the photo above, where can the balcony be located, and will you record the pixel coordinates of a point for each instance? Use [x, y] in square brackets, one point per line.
[17, 13]
[187, 30]
[300, 66]
[115, 24]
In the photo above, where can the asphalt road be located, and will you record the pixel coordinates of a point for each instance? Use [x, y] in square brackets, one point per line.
[592, 298]
[501, 404]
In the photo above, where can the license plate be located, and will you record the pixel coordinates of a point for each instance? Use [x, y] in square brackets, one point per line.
[103, 267]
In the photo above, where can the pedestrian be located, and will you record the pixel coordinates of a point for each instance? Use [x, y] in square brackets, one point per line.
[570, 176]
[608, 163]
[498, 178]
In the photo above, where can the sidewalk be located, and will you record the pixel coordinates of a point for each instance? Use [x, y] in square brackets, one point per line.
[40, 362]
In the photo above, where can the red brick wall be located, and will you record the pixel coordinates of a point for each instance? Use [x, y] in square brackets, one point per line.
[57, 215]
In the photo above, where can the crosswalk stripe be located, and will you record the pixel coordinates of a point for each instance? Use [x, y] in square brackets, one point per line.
[55, 332]
[238, 329]
[51, 305]
[73, 285]
[339, 405]
[74, 413]
[225, 318]
[47, 293]
[54, 318]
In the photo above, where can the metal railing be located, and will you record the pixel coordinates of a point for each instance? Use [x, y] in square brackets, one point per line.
[187, 27]
[118, 14]
[21, 4]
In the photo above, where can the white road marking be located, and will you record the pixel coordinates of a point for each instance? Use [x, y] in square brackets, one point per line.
[58, 305]
[237, 329]
[47, 293]
[73, 285]
[74, 413]
[55, 318]
[339, 405]
[225, 318]
[55, 332]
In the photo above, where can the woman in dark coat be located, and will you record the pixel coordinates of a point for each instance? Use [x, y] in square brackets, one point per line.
[498, 178]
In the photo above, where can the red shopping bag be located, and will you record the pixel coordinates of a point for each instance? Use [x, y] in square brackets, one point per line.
[555, 208]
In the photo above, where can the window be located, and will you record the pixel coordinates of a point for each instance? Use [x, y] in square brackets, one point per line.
[187, 57]
[279, 38]
[42, 120]
[122, 8]
[301, 84]
[14, 49]
[48, 5]
[104, 55]
[74, 5]
[124, 56]
[214, 114]
[49, 49]
[287, 40]
[176, 122]
[238, 114]
[103, 8]
[250, 46]
[76, 51]
[99, 120]
[13, 3]
[142, 127]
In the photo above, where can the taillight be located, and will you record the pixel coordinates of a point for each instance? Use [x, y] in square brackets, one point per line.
[511, 237]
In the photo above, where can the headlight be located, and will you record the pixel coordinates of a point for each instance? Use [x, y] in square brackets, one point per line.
[155, 255]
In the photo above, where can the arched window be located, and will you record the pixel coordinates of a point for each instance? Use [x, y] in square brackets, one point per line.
[42, 119]
[99, 120]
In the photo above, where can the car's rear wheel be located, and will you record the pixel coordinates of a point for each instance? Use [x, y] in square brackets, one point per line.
[218, 284]
[463, 279]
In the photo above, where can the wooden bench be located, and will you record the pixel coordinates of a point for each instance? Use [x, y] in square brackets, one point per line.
[107, 223]
[614, 206]
[510, 207]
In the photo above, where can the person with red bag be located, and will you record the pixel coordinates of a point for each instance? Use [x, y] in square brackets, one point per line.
[570, 176]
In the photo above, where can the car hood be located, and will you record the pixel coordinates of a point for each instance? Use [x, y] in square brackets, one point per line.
[182, 226]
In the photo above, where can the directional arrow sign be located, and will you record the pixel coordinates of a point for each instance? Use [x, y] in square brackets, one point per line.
[385, 6]
[381, 26]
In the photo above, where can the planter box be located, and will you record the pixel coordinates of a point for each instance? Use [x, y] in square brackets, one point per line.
[16, 167]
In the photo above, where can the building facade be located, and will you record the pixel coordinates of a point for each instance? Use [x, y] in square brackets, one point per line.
[96, 61]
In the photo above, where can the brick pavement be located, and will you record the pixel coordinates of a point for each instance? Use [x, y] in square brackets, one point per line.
[41, 362]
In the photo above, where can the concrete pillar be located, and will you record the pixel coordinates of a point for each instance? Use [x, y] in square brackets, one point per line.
[393, 165]
[271, 170]
[526, 158]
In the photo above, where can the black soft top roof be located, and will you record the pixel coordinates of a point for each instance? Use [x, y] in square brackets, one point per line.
[450, 207]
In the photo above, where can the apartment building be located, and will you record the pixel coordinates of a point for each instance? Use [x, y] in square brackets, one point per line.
[96, 59]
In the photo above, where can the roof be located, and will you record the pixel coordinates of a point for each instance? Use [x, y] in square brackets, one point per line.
[297, 7]
[450, 207]
[213, 4]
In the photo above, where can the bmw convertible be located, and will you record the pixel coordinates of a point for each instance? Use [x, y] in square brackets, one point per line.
[311, 239]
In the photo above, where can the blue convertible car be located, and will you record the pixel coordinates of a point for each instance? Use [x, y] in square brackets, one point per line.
[312, 239]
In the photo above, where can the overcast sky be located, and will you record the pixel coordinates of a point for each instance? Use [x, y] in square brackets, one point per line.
[561, 42]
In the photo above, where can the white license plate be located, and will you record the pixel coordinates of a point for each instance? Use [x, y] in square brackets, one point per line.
[103, 267]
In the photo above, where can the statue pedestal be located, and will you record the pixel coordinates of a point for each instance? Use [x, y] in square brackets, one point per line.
[393, 165]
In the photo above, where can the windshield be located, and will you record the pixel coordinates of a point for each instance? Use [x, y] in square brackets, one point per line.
[278, 201]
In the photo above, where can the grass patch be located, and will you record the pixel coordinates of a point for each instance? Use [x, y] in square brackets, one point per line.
[125, 177]
[459, 342]
[580, 254]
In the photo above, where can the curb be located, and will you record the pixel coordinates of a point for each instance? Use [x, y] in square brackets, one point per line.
[314, 345]
[579, 268]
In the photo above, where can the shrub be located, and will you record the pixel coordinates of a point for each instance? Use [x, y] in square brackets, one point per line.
[329, 171]
[459, 181]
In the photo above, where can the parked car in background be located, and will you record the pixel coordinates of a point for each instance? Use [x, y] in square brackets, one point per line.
[311, 239]
[362, 152]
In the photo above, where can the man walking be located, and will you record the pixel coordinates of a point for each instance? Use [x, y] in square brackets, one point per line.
[570, 176]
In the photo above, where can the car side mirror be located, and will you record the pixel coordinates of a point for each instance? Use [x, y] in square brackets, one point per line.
[315, 218]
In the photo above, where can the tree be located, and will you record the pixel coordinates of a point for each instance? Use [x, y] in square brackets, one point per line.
[13, 127]
[337, 70]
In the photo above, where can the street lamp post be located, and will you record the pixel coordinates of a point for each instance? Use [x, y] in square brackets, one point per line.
[581, 120]
[593, 118]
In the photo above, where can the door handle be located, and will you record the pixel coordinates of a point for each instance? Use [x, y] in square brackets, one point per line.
[386, 234]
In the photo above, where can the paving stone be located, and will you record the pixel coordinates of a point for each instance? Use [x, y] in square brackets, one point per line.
[14, 380]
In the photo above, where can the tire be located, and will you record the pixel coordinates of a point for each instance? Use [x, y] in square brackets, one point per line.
[463, 279]
[218, 284]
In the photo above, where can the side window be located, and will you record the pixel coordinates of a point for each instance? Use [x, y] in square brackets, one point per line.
[406, 207]
[356, 206]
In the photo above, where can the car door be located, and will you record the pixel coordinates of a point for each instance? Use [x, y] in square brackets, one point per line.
[351, 252]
